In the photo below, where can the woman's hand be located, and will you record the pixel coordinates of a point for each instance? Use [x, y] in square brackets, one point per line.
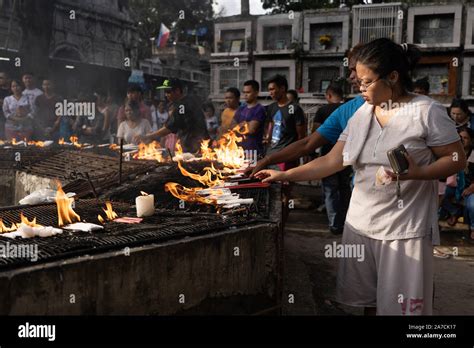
[138, 138]
[269, 175]
[260, 165]
[415, 172]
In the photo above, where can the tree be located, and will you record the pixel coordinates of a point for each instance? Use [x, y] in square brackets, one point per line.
[180, 16]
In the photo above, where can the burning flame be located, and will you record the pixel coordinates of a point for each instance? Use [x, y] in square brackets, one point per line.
[228, 152]
[23, 221]
[75, 141]
[4, 228]
[217, 172]
[178, 149]
[205, 179]
[113, 146]
[109, 212]
[149, 152]
[206, 152]
[14, 142]
[66, 215]
[36, 143]
[187, 194]
[144, 193]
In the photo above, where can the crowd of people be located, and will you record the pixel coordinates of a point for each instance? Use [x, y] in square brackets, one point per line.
[31, 113]
[396, 220]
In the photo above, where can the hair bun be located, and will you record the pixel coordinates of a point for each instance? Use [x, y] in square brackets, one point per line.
[412, 54]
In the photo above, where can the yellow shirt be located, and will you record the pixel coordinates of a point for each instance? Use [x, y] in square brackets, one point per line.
[226, 118]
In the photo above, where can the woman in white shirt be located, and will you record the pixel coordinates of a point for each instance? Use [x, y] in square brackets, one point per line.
[134, 126]
[389, 232]
[16, 108]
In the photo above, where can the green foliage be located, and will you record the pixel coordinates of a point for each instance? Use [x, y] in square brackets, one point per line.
[149, 14]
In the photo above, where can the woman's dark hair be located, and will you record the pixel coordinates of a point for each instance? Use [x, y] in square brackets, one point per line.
[18, 82]
[294, 93]
[135, 108]
[467, 130]
[423, 84]
[462, 104]
[234, 91]
[384, 56]
[470, 132]
[208, 106]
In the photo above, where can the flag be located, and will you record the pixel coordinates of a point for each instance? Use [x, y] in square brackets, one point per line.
[163, 37]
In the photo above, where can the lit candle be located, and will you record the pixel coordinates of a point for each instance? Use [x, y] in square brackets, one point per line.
[145, 204]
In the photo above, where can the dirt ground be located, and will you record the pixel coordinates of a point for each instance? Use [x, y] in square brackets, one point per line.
[310, 277]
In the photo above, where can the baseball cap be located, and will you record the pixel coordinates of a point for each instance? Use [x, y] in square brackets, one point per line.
[171, 84]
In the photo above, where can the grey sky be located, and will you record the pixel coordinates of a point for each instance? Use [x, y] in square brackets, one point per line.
[232, 7]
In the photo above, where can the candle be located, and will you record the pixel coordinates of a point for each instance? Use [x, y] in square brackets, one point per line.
[145, 205]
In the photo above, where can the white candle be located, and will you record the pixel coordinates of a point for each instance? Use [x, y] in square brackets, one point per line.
[145, 205]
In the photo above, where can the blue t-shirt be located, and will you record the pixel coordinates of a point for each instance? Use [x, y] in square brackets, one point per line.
[335, 124]
[246, 114]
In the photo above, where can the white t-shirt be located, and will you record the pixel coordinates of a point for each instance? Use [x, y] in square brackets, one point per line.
[127, 133]
[375, 211]
[10, 104]
[158, 118]
[31, 95]
[212, 123]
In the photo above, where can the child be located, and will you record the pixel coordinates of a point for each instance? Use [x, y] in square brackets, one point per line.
[211, 120]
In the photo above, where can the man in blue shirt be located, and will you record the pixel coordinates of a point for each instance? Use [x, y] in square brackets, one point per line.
[327, 133]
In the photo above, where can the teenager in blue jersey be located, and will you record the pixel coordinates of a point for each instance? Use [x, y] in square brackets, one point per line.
[327, 133]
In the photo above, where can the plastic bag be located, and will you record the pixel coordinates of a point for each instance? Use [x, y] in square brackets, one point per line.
[42, 196]
[382, 177]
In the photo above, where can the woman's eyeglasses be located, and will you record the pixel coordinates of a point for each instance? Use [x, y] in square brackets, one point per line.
[366, 86]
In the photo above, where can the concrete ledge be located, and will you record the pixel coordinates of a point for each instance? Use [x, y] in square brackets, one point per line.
[151, 279]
